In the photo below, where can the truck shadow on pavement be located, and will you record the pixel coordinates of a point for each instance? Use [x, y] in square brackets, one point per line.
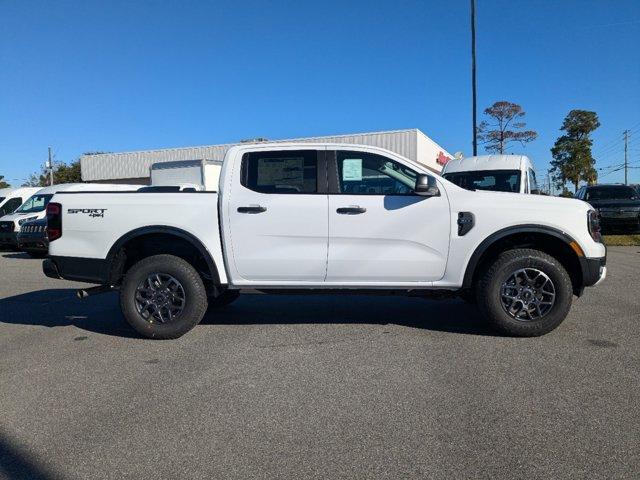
[19, 255]
[61, 308]
[101, 313]
[16, 462]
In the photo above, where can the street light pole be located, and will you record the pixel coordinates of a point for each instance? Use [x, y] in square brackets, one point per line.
[626, 163]
[473, 74]
[50, 165]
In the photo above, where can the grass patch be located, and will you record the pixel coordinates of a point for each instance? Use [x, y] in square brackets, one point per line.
[622, 240]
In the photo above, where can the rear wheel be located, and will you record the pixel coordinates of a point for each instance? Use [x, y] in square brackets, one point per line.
[163, 297]
[525, 293]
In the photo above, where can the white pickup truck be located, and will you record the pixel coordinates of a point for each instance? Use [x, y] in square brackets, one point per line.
[323, 218]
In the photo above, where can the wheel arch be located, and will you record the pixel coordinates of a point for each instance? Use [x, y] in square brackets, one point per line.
[547, 239]
[113, 256]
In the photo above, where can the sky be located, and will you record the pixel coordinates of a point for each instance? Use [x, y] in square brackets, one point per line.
[117, 75]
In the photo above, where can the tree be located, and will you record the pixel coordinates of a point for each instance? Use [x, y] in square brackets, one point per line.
[62, 173]
[3, 184]
[572, 158]
[506, 126]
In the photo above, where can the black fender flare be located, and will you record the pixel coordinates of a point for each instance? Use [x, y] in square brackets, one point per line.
[505, 232]
[117, 246]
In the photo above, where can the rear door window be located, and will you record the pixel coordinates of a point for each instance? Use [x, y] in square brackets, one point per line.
[283, 172]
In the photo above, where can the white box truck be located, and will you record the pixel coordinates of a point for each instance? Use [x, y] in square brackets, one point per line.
[497, 173]
[200, 174]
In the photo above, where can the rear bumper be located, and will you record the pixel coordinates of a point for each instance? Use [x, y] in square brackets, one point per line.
[89, 270]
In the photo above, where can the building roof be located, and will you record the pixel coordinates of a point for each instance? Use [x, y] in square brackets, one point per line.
[410, 143]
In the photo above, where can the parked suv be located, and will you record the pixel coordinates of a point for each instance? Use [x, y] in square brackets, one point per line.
[618, 205]
[32, 238]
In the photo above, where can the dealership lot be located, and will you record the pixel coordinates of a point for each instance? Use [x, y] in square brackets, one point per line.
[317, 387]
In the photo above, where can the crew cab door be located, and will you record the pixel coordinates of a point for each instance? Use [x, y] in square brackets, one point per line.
[277, 212]
[380, 231]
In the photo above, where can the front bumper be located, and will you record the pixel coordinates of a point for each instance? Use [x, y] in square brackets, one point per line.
[33, 243]
[9, 238]
[594, 270]
[619, 216]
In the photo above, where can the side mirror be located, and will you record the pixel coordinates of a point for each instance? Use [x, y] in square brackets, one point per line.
[426, 186]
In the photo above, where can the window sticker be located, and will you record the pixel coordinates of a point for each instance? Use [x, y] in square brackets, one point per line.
[352, 169]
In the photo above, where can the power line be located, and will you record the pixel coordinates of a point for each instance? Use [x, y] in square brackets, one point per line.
[613, 151]
[612, 144]
[610, 149]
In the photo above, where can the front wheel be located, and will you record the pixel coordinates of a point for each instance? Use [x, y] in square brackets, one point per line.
[525, 293]
[163, 297]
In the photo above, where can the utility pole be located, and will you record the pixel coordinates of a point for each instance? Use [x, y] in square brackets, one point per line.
[473, 74]
[50, 166]
[626, 138]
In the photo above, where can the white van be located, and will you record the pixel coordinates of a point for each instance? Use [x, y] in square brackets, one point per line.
[12, 198]
[198, 174]
[498, 173]
[35, 206]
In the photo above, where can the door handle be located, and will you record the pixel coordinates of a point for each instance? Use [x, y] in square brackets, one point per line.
[352, 210]
[252, 209]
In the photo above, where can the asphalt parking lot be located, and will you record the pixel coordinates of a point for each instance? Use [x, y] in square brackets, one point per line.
[317, 387]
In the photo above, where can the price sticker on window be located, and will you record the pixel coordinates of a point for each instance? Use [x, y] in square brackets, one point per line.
[352, 169]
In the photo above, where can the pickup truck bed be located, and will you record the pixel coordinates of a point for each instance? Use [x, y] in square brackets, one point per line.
[90, 247]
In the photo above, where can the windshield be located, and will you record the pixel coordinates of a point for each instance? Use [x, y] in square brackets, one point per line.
[611, 193]
[2, 199]
[36, 203]
[494, 180]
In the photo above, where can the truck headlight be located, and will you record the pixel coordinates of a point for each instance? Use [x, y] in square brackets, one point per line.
[593, 223]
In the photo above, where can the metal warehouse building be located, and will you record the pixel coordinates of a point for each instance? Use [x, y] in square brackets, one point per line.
[134, 167]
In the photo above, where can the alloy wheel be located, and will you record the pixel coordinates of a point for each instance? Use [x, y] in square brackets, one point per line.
[528, 294]
[160, 298]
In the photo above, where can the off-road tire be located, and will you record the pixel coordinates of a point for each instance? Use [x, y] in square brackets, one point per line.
[488, 292]
[194, 290]
[225, 298]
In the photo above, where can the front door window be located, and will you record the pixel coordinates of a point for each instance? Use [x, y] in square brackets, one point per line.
[361, 173]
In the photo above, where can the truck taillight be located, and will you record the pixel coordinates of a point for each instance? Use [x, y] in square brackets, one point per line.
[593, 222]
[54, 221]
